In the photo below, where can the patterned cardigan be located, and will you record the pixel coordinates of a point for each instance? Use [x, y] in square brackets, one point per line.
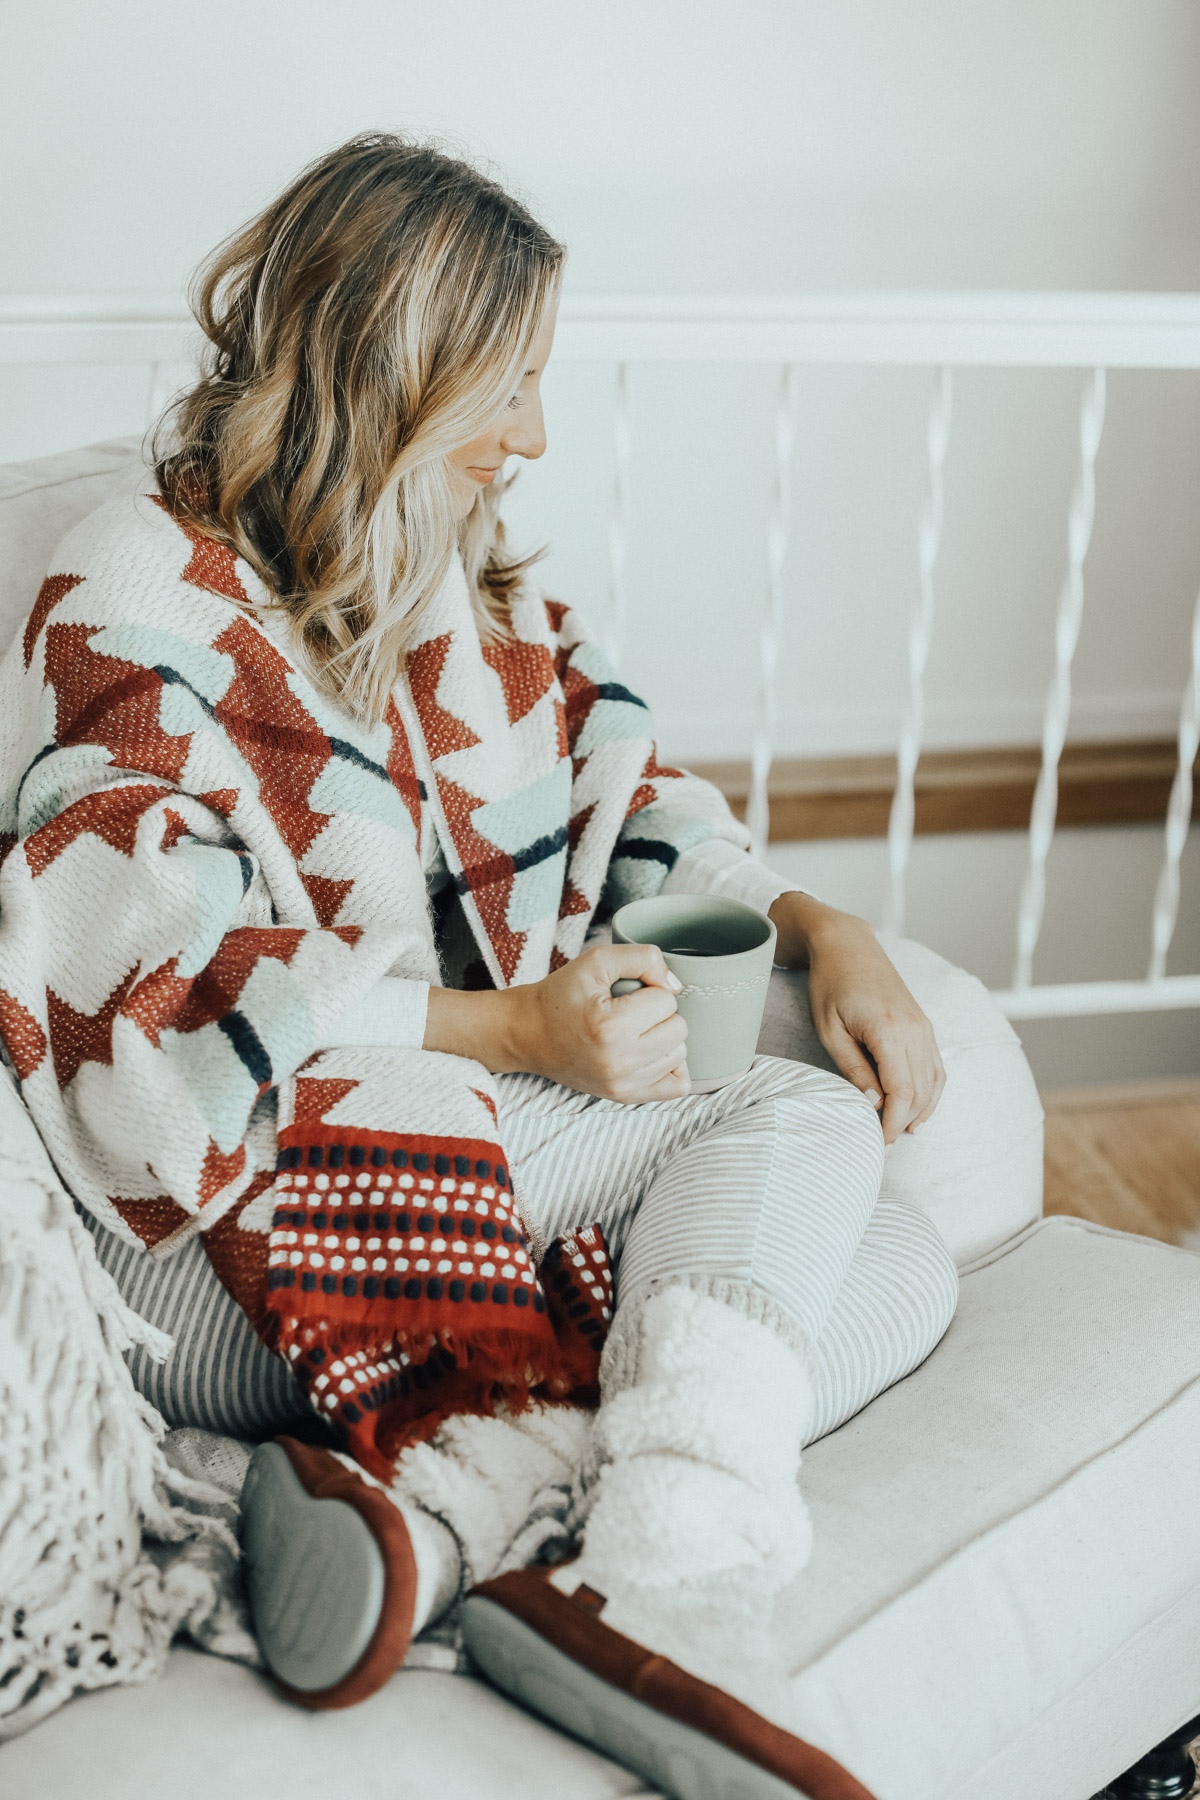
[206, 864]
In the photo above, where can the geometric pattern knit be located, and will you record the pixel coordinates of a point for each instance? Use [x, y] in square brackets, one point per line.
[205, 862]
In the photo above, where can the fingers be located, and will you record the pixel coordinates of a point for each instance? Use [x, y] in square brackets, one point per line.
[935, 1084]
[927, 1070]
[906, 1071]
[852, 1062]
[645, 1009]
[632, 1043]
[665, 1043]
[658, 1056]
[638, 962]
[672, 1087]
[899, 1094]
[911, 1073]
[666, 1078]
[668, 1084]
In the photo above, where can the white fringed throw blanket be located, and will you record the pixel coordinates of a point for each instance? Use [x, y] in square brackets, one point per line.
[85, 1601]
[205, 865]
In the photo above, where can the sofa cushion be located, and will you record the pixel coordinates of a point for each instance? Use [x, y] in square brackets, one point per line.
[1001, 1601]
[1034, 1534]
[40, 501]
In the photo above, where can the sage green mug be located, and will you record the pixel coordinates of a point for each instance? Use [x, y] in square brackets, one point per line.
[722, 952]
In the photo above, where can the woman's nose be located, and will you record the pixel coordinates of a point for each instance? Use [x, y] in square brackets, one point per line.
[525, 435]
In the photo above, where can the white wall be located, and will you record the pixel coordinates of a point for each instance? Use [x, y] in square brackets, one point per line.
[697, 146]
[678, 144]
[692, 147]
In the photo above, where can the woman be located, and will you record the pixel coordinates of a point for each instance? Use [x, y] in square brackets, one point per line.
[318, 812]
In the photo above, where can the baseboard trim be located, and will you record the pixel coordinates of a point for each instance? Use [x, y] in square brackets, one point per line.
[1181, 1090]
[1110, 783]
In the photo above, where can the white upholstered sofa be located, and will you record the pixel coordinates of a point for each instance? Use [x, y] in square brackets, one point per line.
[1004, 1599]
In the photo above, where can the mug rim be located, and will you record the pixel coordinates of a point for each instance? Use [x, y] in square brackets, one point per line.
[724, 959]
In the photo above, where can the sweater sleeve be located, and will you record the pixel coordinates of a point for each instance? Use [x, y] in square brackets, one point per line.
[155, 996]
[718, 867]
[391, 1016]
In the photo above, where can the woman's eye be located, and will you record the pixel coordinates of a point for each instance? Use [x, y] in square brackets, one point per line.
[515, 402]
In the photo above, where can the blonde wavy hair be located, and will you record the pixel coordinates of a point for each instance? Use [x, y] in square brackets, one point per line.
[373, 319]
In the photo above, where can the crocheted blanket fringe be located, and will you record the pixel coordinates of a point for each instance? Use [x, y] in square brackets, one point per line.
[83, 1602]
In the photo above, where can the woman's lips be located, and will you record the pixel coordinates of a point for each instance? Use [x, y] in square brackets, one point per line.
[483, 476]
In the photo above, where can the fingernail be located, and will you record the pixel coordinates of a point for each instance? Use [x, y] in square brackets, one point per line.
[674, 982]
[874, 1098]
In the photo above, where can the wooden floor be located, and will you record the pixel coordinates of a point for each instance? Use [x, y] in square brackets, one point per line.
[1128, 1157]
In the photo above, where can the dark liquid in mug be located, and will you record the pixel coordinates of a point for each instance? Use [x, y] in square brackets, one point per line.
[689, 950]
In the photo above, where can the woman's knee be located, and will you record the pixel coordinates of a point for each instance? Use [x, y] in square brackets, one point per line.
[922, 1265]
[812, 1102]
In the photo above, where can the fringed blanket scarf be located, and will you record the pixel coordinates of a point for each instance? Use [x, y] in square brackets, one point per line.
[206, 863]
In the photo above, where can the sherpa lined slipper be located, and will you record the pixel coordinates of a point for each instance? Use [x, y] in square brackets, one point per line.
[331, 1575]
[554, 1653]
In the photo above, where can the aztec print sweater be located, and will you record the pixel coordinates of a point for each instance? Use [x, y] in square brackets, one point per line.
[214, 939]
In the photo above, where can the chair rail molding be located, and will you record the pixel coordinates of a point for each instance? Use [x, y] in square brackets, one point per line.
[1013, 329]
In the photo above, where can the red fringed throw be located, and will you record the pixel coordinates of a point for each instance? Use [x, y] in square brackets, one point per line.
[401, 1289]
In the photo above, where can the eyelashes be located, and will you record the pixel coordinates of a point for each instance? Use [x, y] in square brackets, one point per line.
[513, 404]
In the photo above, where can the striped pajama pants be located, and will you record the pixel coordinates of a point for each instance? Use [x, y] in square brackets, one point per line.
[769, 1185]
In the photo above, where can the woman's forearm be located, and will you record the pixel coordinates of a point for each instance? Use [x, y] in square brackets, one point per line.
[802, 922]
[570, 1028]
[481, 1024]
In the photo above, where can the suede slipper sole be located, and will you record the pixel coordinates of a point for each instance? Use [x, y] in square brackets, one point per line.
[554, 1653]
[331, 1575]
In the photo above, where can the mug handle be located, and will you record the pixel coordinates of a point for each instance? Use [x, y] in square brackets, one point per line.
[626, 985]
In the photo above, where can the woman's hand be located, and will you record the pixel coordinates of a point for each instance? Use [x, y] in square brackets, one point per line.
[865, 1016]
[570, 1028]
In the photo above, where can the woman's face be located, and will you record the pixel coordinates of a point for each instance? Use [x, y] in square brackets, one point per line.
[518, 430]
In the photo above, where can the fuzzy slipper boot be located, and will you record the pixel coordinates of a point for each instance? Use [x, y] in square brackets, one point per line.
[656, 1644]
[331, 1574]
[557, 1654]
[503, 1486]
[696, 1447]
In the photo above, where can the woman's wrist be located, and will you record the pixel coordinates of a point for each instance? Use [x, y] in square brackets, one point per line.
[802, 924]
[484, 1024]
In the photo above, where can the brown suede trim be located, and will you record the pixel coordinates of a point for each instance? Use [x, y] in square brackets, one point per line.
[326, 1478]
[579, 1633]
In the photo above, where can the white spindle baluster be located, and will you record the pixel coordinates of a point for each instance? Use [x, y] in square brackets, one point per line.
[920, 631]
[758, 811]
[1058, 695]
[618, 517]
[1179, 813]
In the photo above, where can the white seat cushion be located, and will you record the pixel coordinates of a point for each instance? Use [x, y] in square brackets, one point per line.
[1001, 1602]
[1007, 1543]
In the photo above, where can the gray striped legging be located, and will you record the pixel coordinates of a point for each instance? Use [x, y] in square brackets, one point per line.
[770, 1185]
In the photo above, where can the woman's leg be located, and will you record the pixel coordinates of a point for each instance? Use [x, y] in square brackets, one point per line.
[754, 1306]
[974, 1167]
[219, 1376]
[220, 1386]
[761, 1296]
[894, 1307]
[767, 1184]
[755, 1198]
